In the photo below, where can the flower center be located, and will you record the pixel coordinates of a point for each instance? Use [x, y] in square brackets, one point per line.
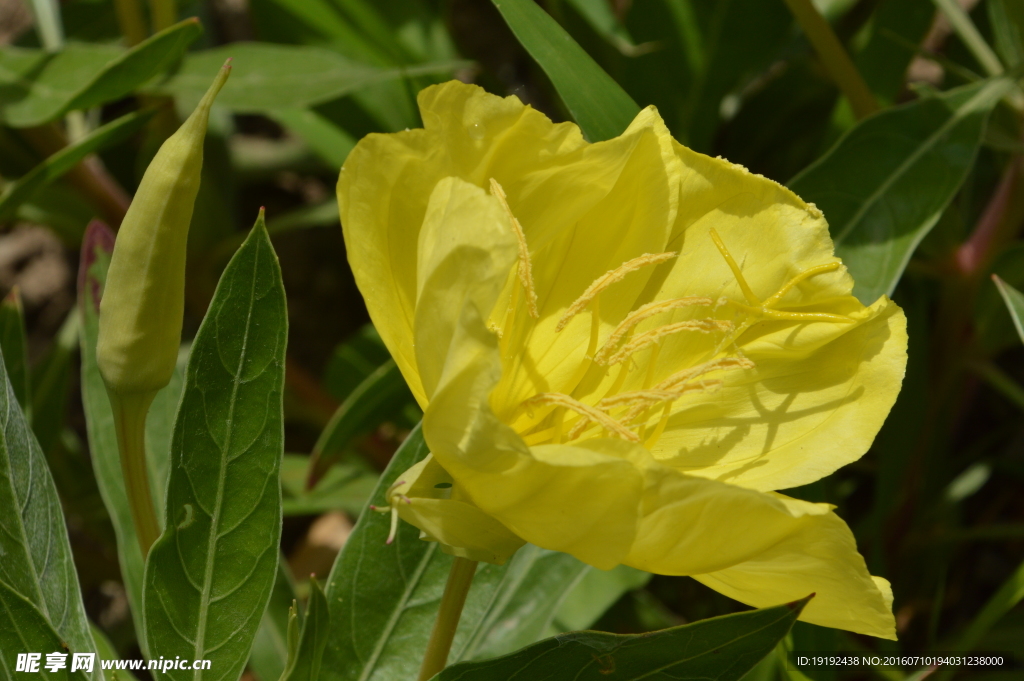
[555, 417]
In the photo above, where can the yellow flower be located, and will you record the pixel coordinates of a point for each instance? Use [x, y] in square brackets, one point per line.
[621, 349]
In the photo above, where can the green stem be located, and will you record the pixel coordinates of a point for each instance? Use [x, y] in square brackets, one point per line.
[455, 591]
[130, 21]
[968, 32]
[130, 422]
[834, 57]
[164, 13]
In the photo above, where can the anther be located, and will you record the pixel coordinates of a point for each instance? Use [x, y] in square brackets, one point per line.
[643, 313]
[654, 335]
[587, 412]
[724, 364]
[525, 266]
[607, 279]
[671, 396]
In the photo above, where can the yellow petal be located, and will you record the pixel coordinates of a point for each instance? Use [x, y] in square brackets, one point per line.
[761, 549]
[615, 229]
[822, 559]
[425, 497]
[386, 183]
[813, 402]
[465, 251]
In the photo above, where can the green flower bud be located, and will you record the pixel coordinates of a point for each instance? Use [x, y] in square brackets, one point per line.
[143, 300]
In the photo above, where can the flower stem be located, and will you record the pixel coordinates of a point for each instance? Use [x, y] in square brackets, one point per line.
[130, 21]
[459, 580]
[130, 422]
[834, 57]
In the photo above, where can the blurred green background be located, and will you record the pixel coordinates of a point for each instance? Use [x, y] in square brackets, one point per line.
[936, 504]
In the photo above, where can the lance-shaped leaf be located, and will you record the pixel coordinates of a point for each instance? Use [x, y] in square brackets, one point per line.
[210, 575]
[41, 86]
[884, 185]
[1014, 300]
[15, 347]
[598, 104]
[264, 76]
[383, 598]
[97, 246]
[24, 188]
[24, 629]
[721, 648]
[269, 655]
[305, 665]
[380, 395]
[36, 555]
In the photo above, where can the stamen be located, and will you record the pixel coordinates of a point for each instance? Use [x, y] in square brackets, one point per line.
[525, 266]
[639, 410]
[642, 313]
[654, 335]
[644, 396]
[724, 364]
[748, 293]
[607, 279]
[589, 413]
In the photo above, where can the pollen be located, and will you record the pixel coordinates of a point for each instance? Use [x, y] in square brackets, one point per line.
[672, 396]
[587, 412]
[654, 335]
[525, 266]
[643, 313]
[723, 364]
[607, 279]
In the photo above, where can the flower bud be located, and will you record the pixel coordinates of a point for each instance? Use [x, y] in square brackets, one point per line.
[143, 301]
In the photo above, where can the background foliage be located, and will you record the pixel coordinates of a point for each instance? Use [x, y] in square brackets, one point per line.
[924, 196]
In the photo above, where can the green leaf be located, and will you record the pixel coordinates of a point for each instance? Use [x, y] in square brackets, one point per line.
[1007, 20]
[42, 86]
[37, 562]
[97, 246]
[968, 32]
[1014, 300]
[1009, 595]
[354, 359]
[15, 348]
[264, 77]
[897, 28]
[885, 184]
[24, 188]
[105, 651]
[593, 595]
[392, 592]
[602, 19]
[305, 666]
[24, 629]
[269, 654]
[741, 40]
[597, 103]
[209, 577]
[721, 648]
[327, 140]
[379, 396]
[52, 380]
[345, 486]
